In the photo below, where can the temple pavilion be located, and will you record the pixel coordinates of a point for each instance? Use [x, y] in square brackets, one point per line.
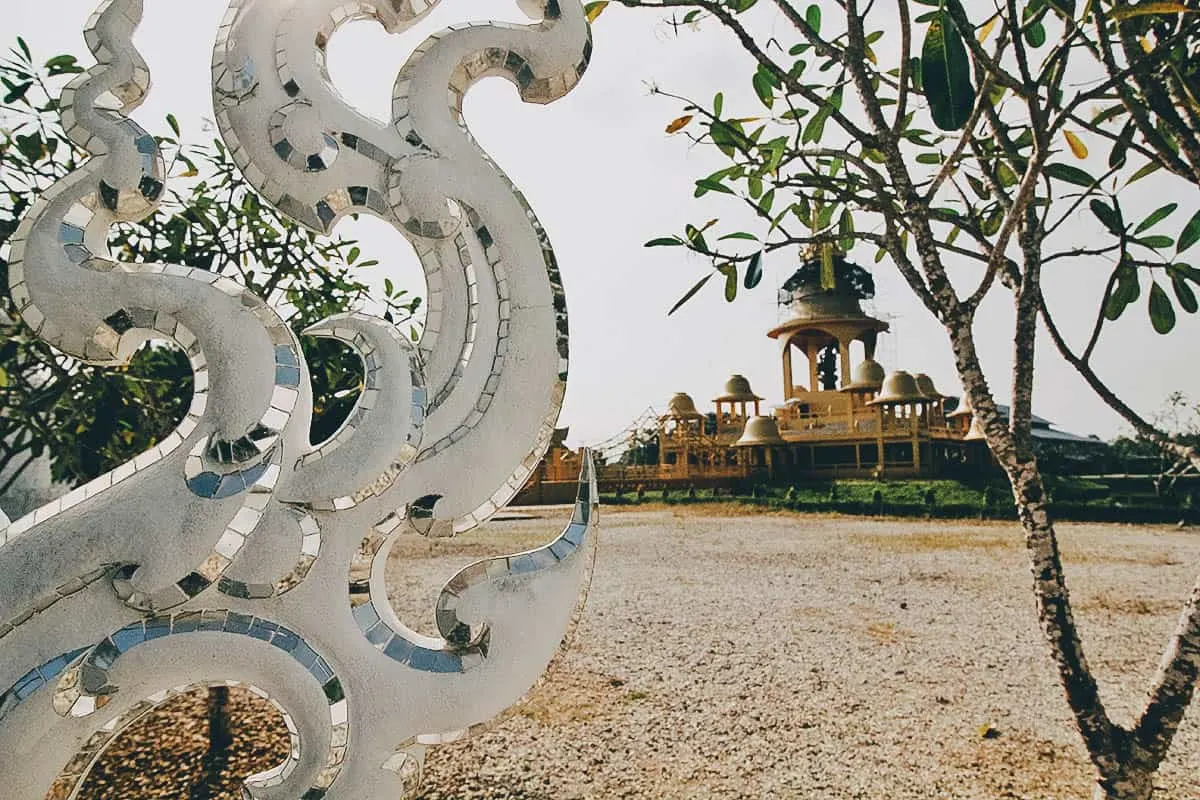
[839, 417]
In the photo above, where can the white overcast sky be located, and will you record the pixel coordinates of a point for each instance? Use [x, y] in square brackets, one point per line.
[604, 178]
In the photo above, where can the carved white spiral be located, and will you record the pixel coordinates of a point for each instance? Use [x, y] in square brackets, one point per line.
[227, 553]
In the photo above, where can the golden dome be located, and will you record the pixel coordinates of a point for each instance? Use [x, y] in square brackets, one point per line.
[760, 431]
[926, 387]
[867, 377]
[900, 388]
[976, 433]
[682, 406]
[737, 388]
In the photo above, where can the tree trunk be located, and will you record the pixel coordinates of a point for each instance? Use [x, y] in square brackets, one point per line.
[1131, 782]
[1100, 735]
[1121, 774]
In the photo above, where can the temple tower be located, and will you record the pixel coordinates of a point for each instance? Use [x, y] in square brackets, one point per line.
[736, 404]
[680, 436]
[825, 297]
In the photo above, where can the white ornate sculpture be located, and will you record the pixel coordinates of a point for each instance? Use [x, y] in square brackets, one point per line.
[234, 551]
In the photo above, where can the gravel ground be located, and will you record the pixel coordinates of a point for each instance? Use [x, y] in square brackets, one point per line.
[784, 656]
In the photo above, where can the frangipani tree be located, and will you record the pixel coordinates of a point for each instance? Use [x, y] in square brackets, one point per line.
[965, 142]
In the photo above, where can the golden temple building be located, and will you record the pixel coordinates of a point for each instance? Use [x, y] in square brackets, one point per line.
[839, 418]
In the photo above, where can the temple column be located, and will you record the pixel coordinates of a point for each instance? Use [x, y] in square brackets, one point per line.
[788, 383]
[916, 441]
[879, 436]
[814, 382]
[869, 340]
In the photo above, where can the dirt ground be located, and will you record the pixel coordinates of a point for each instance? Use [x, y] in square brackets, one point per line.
[726, 653]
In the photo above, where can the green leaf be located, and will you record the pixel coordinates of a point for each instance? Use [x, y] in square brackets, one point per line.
[1108, 217]
[705, 185]
[1115, 305]
[1155, 242]
[815, 128]
[1148, 169]
[1186, 271]
[763, 88]
[690, 293]
[1120, 149]
[727, 137]
[990, 225]
[846, 230]
[1125, 290]
[1069, 174]
[1005, 174]
[63, 65]
[1190, 234]
[1035, 34]
[812, 15]
[977, 186]
[1162, 313]
[3, 378]
[824, 217]
[768, 200]
[946, 74]
[1184, 294]
[731, 283]
[754, 271]
[929, 158]
[665, 241]
[739, 235]
[915, 70]
[718, 102]
[1153, 219]
[353, 255]
[1106, 114]
[803, 210]
[775, 149]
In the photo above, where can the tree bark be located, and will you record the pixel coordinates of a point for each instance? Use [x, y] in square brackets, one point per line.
[1133, 779]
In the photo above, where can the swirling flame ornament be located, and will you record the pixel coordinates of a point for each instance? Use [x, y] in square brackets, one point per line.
[235, 552]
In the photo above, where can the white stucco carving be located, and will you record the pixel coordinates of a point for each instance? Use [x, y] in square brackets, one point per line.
[231, 551]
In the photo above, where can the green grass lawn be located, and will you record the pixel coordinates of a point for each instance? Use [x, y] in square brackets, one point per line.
[1072, 497]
